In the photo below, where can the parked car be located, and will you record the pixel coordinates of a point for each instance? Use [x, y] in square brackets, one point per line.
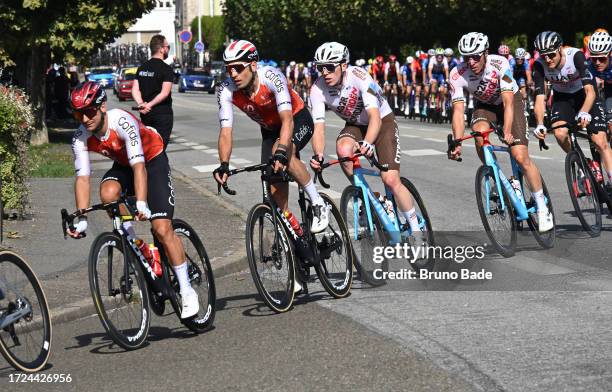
[125, 82]
[102, 75]
[197, 79]
[218, 71]
[119, 74]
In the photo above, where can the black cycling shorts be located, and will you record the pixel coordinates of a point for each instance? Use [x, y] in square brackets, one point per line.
[565, 107]
[160, 191]
[303, 127]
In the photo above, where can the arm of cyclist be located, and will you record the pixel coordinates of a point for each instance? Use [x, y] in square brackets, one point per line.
[136, 159]
[456, 85]
[540, 100]
[588, 84]
[374, 123]
[280, 157]
[317, 105]
[82, 169]
[508, 102]
[226, 120]
[429, 69]
[140, 189]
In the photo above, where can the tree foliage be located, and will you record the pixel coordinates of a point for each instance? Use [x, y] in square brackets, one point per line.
[293, 29]
[213, 33]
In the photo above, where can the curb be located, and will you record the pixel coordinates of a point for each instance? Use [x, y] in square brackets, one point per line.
[231, 264]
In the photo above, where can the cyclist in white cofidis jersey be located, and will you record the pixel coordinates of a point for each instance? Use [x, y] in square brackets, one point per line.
[141, 168]
[354, 96]
[574, 97]
[497, 98]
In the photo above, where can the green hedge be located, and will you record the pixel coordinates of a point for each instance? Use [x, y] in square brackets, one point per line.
[16, 125]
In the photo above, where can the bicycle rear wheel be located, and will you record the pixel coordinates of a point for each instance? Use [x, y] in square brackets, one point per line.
[200, 276]
[25, 324]
[499, 223]
[353, 210]
[546, 239]
[271, 258]
[122, 302]
[583, 194]
[335, 270]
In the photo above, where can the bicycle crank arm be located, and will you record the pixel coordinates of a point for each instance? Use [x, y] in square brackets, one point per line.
[10, 318]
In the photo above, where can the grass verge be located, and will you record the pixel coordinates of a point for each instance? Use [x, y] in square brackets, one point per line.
[51, 160]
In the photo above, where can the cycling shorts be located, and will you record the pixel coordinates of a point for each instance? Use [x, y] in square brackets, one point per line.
[439, 78]
[303, 127]
[387, 144]
[160, 191]
[522, 82]
[495, 114]
[608, 103]
[392, 79]
[565, 107]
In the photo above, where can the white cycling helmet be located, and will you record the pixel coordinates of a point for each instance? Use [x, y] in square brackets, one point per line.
[448, 52]
[473, 43]
[418, 53]
[240, 50]
[527, 56]
[519, 53]
[292, 63]
[431, 52]
[600, 44]
[332, 52]
[409, 59]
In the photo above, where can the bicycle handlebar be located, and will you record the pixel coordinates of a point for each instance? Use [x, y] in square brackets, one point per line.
[68, 219]
[544, 146]
[373, 161]
[284, 176]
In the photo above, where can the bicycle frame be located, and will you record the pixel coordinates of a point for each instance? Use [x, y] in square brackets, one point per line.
[11, 317]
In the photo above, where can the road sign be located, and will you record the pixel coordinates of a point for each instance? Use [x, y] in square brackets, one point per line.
[185, 36]
[199, 46]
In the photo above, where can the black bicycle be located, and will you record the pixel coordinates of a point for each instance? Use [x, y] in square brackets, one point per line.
[25, 324]
[124, 287]
[587, 187]
[279, 254]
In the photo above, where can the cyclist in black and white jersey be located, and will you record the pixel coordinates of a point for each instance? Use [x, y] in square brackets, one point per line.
[574, 94]
[370, 123]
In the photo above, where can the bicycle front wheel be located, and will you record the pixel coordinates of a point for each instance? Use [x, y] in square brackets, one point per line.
[121, 299]
[335, 270]
[364, 241]
[499, 222]
[271, 258]
[581, 185]
[200, 276]
[25, 325]
[426, 233]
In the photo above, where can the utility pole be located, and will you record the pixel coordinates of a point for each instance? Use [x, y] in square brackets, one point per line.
[200, 55]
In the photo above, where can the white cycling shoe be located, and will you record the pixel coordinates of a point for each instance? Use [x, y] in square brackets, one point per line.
[320, 218]
[545, 221]
[191, 306]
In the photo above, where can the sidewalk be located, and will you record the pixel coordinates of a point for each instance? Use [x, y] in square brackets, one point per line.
[61, 265]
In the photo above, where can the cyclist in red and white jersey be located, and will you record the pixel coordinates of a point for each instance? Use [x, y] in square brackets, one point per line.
[370, 123]
[575, 97]
[141, 168]
[378, 70]
[393, 81]
[286, 125]
[497, 98]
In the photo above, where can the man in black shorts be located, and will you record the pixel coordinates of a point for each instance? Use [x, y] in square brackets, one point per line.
[152, 89]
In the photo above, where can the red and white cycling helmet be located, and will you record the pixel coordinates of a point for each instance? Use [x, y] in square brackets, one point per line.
[473, 43]
[392, 57]
[379, 59]
[87, 94]
[503, 50]
[240, 50]
[600, 44]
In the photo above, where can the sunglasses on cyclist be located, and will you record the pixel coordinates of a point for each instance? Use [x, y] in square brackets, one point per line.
[474, 57]
[330, 67]
[89, 112]
[238, 67]
[601, 59]
[550, 56]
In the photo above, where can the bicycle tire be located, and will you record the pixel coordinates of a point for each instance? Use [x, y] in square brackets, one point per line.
[419, 265]
[573, 160]
[280, 299]
[506, 249]
[363, 258]
[336, 281]
[199, 266]
[546, 239]
[122, 336]
[8, 351]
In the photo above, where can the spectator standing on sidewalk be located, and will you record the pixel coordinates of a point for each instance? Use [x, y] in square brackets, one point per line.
[152, 89]
[62, 92]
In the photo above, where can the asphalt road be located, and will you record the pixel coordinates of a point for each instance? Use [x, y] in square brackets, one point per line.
[541, 324]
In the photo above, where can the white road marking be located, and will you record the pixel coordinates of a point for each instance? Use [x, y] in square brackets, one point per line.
[539, 267]
[411, 136]
[431, 139]
[210, 151]
[329, 192]
[540, 157]
[200, 147]
[240, 161]
[333, 156]
[208, 168]
[180, 140]
[189, 144]
[423, 152]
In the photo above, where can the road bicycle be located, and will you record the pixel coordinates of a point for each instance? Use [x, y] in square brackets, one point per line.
[587, 188]
[279, 252]
[25, 324]
[125, 288]
[375, 221]
[503, 204]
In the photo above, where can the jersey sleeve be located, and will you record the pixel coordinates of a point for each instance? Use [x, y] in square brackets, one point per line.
[317, 104]
[224, 100]
[80, 153]
[506, 78]
[457, 83]
[581, 67]
[277, 83]
[128, 130]
[370, 93]
[538, 78]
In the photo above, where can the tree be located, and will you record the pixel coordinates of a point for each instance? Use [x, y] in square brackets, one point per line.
[213, 33]
[33, 32]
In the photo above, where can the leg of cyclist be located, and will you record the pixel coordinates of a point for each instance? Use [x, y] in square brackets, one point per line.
[442, 90]
[417, 97]
[407, 95]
